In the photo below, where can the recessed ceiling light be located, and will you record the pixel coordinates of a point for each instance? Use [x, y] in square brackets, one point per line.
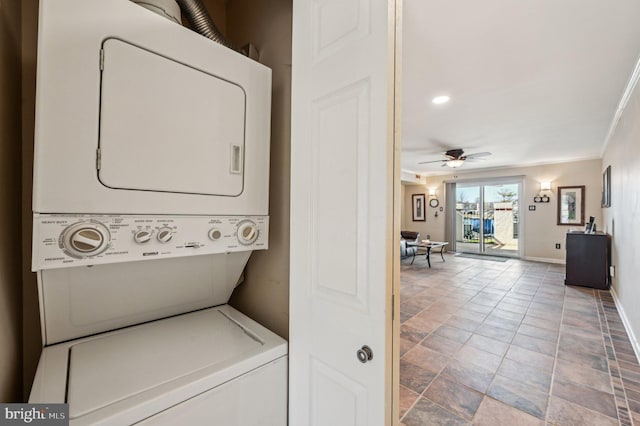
[440, 100]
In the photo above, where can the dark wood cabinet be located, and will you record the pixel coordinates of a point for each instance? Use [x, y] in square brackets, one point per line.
[588, 259]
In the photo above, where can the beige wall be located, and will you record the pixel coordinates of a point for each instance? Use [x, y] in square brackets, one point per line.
[433, 226]
[264, 295]
[540, 230]
[10, 221]
[218, 11]
[622, 219]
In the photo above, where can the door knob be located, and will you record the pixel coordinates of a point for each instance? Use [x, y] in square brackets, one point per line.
[365, 354]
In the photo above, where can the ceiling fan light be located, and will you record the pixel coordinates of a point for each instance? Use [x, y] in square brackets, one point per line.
[454, 163]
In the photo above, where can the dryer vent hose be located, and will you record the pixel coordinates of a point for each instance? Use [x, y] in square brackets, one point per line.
[199, 19]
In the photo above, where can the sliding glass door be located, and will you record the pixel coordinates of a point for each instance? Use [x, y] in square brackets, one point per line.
[467, 222]
[486, 218]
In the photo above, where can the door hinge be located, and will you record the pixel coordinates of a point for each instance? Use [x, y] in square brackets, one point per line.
[98, 159]
[101, 59]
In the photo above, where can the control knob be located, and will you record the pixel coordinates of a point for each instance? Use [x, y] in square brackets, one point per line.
[142, 236]
[85, 239]
[215, 234]
[165, 234]
[247, 232]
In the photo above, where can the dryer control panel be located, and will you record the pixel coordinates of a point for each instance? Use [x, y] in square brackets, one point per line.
[75, 240]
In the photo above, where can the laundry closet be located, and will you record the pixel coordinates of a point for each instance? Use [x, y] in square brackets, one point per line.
[131, 229]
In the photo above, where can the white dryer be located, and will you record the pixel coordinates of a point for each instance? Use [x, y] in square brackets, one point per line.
[150, 193]
[136, 114]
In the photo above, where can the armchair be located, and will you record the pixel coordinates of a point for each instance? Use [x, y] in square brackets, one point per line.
[408, 237]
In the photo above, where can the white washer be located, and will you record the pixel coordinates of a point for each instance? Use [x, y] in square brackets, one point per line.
[153, 340]
[150, 193]
[214, 366]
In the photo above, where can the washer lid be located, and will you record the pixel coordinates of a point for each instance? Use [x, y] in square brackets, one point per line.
[109, 369]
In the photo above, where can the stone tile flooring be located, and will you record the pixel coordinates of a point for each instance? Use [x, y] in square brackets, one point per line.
[507, 343]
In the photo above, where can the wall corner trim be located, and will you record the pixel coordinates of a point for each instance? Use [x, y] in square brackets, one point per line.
[624, 100]
[626, 323]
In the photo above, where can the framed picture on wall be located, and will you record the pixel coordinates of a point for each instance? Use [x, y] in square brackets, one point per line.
[571, 205]
[417, 201]
[606, 188]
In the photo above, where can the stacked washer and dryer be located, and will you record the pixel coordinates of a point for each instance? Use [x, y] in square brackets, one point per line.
[150, 193]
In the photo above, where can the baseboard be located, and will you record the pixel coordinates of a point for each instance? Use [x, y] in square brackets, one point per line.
[625, 322]
[544, 259]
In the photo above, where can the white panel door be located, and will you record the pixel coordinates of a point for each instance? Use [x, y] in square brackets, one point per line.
[341, 212]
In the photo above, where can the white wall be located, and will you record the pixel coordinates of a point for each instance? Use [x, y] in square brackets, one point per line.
[540, 230]
[622, 219]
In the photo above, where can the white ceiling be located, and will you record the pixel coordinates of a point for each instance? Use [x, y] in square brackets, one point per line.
[532, 82]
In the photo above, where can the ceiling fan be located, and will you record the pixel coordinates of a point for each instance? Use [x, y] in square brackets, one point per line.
[456, 158]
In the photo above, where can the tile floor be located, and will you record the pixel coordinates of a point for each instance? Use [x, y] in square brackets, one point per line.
[507, 343]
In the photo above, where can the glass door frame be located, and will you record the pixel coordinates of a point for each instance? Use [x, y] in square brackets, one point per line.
[481, 183]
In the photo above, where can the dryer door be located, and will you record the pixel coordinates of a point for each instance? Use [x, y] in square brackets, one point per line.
[165, 126]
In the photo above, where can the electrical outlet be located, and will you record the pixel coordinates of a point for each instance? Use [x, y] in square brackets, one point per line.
[558, 246]
[612, 271]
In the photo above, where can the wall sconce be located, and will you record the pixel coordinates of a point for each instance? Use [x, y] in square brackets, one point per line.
[432, 192]
[543, 198]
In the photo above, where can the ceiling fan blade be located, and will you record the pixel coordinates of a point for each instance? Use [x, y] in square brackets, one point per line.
[478, 154]
[434, 161]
